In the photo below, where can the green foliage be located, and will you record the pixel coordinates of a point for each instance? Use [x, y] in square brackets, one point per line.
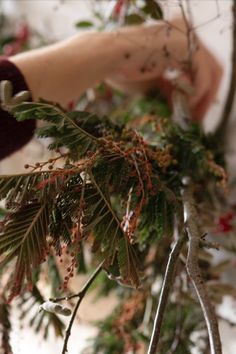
[116, 163]
[24, 238]
[182, 322]
[157, 219]
[84, 24]
[106, 340]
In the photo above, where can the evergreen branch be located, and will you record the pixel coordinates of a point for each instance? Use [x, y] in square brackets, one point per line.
[194, 271]
[71, 122]
[31, 110]
[165, 290]
[221, 129]
[80, 296]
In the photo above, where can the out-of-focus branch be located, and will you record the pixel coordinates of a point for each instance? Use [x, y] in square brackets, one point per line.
[221, 130]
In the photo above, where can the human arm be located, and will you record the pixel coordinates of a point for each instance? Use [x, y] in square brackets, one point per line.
[132, 58]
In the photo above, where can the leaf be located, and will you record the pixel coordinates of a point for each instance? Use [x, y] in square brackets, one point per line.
[2, 213]
[20, 188]
[153, 9]
[134, 19]
[74, 130]
[157, 218]
[84, 24]
[47, 112]
[24, 238]
[110, 238]
[128, 262]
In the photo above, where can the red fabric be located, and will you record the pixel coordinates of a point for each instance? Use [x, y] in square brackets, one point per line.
[13, 134]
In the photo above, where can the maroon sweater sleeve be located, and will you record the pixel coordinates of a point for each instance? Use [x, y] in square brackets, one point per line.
[13, 134]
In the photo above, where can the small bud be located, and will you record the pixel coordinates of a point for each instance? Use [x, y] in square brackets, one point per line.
[54, 307]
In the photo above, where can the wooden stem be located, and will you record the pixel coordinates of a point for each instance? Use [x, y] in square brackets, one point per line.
[165, 290]
[194, 235]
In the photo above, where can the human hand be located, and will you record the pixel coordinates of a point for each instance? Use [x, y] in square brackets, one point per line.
[149, 52]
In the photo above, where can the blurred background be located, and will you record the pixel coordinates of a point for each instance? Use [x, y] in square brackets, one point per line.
[53, 20]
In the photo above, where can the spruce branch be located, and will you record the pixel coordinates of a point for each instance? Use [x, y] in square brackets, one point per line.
[221, 129]
[194, 272]
[80, 296]
[165, 290]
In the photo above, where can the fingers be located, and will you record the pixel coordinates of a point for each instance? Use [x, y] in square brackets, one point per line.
[207, 80]
[206, 100]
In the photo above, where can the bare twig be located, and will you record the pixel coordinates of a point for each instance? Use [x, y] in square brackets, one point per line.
[194, 235]
[80, 296]
[221, 130]
[166, 286]
[190, 38]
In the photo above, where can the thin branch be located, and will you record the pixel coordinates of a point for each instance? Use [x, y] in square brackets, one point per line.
[165, 290]
[190, 38]
[80, 296]
[194, 235]
[221, 129]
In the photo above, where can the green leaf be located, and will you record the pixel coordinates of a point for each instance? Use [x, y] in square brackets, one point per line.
[153, 9]
[52, 114]
[128, 262]
[84, 24]
[110, 238]
[2, 213]
[42, 111]
[24, 238]
[134, 19]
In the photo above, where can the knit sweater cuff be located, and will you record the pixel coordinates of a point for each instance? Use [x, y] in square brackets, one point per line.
[13, 134]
